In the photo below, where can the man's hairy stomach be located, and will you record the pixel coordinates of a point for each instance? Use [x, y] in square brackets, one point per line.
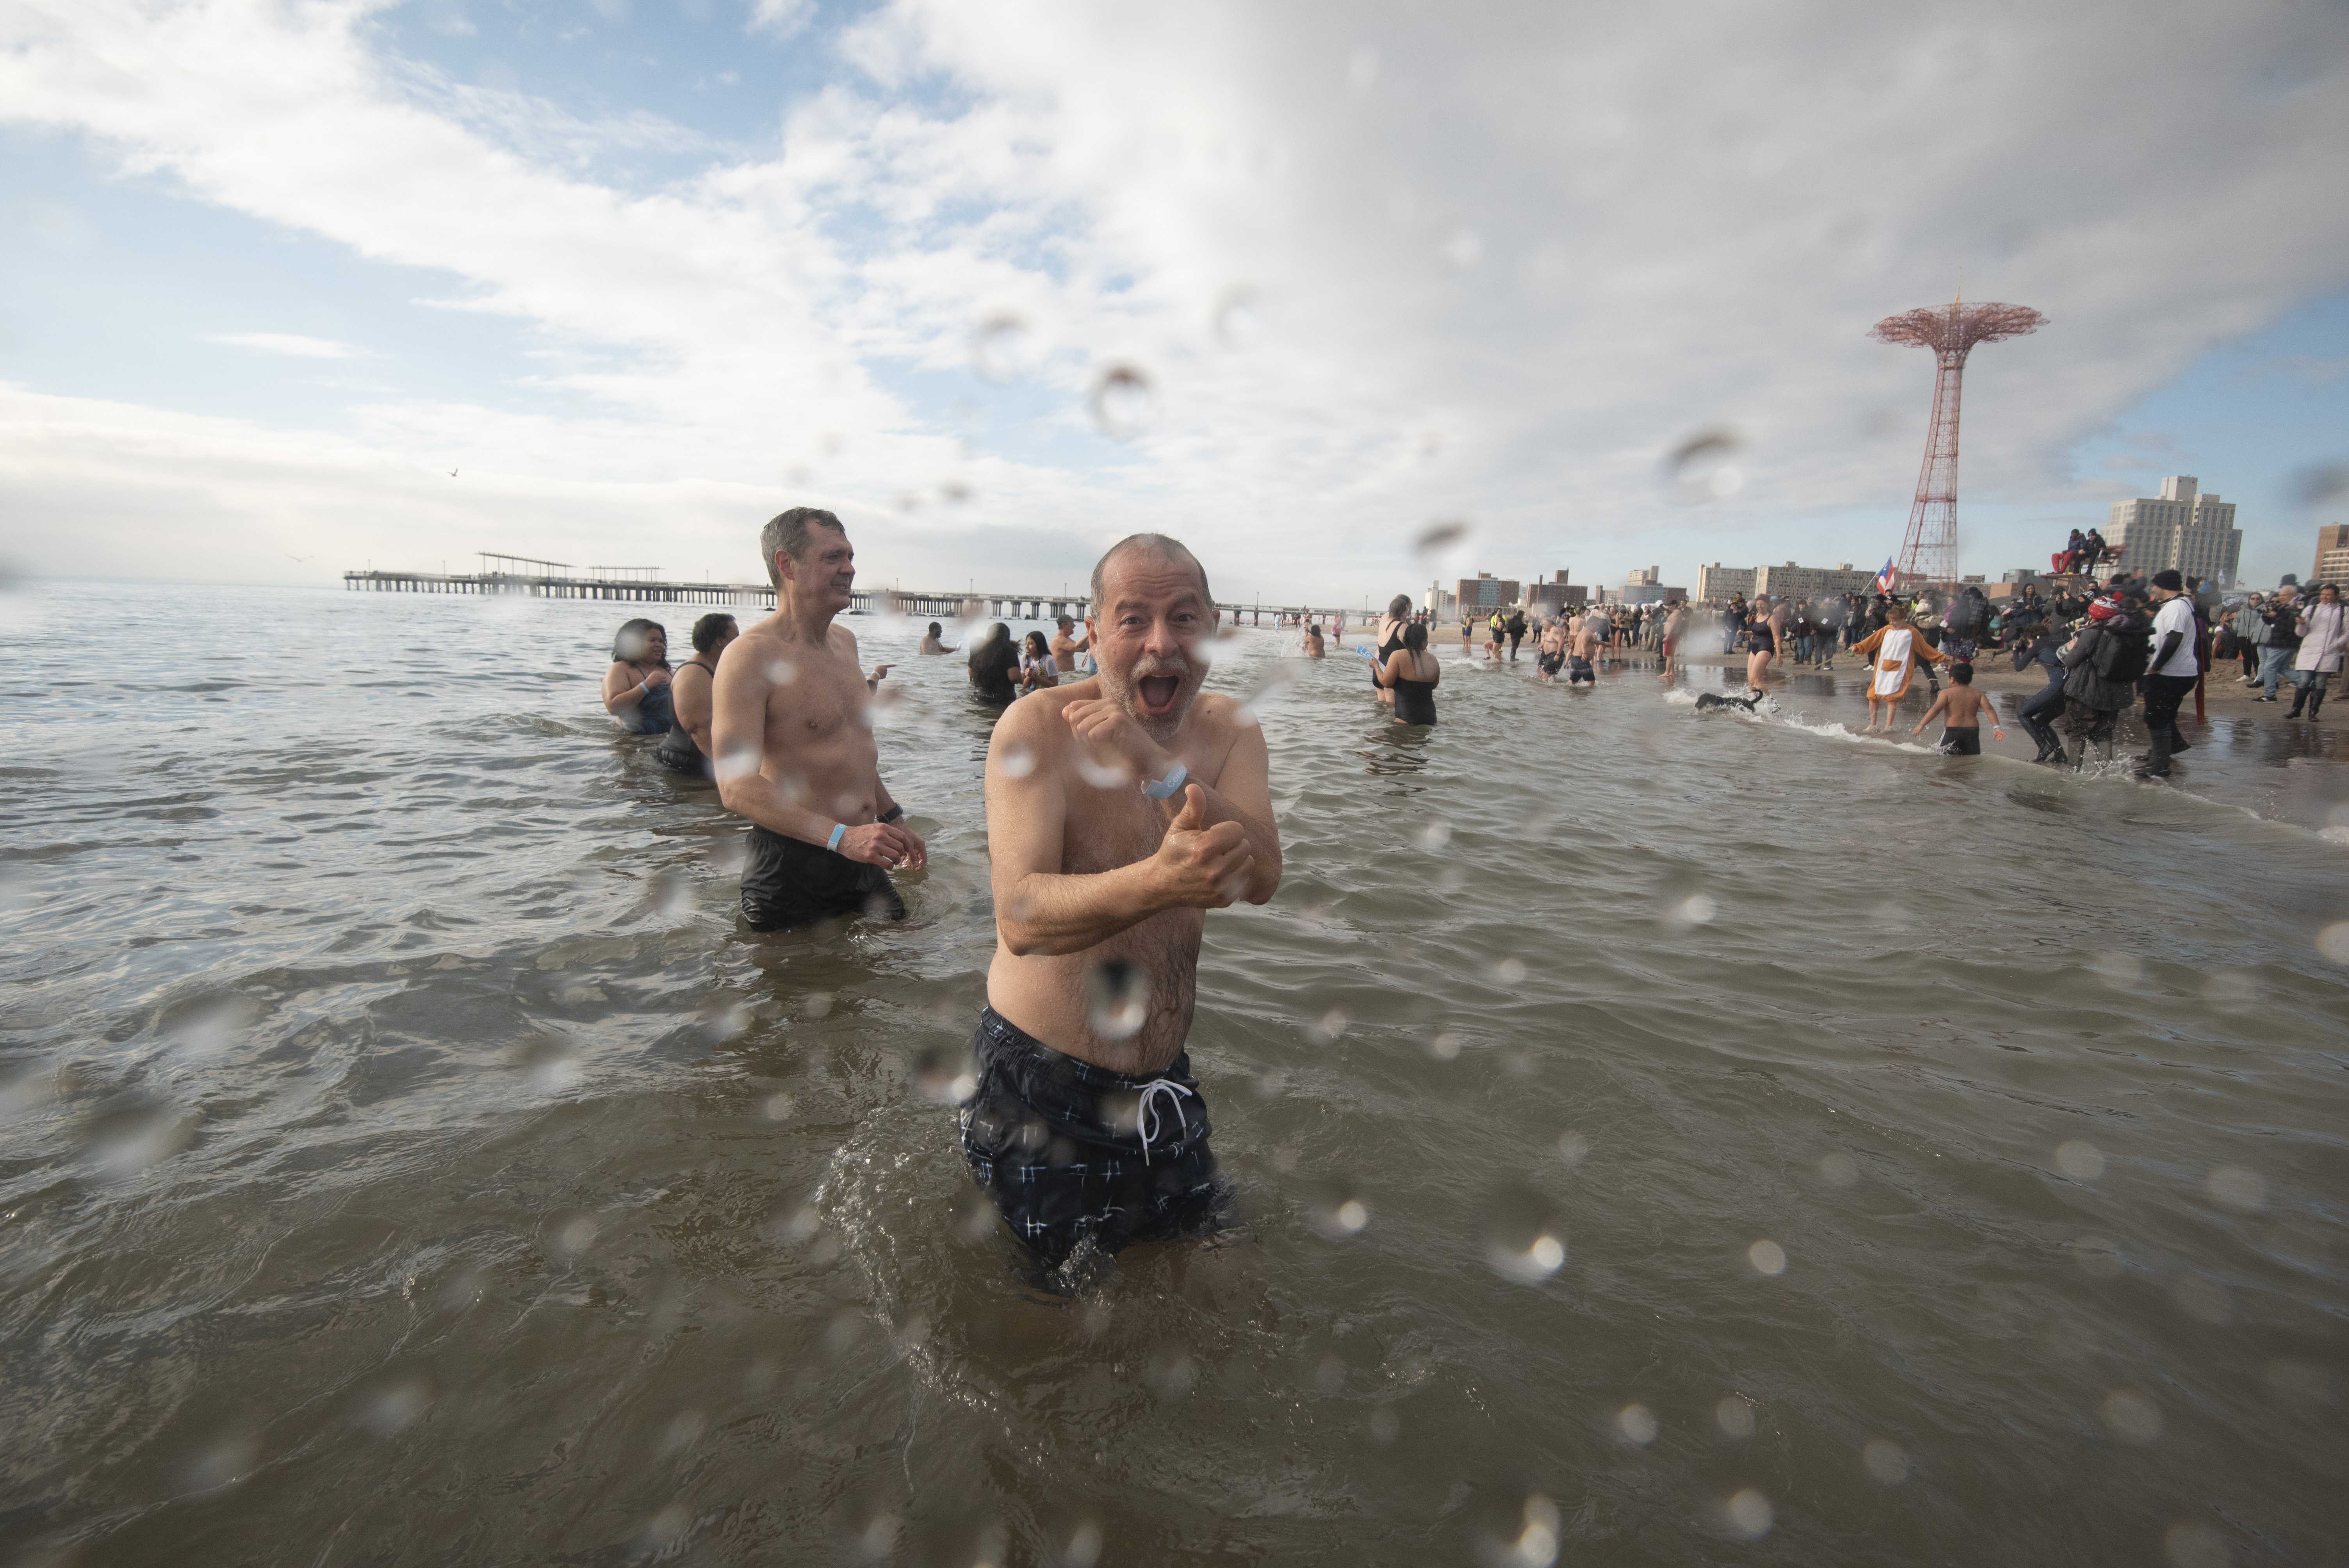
[1124, 1004]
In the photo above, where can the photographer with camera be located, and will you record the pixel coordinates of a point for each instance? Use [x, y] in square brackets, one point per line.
[2283, 641]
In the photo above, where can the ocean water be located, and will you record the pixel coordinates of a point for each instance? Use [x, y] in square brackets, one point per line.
[1667, 1136]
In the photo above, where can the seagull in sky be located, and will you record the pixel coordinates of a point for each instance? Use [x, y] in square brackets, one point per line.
[291, 556]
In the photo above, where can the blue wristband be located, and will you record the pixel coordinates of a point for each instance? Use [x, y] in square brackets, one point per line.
[839, 831]
[1164, 789]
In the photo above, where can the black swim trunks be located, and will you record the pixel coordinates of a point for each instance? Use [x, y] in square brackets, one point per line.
[1058, 1143]
[1577, 668]
[789, 883]
[1961, 740]
[1549, 663]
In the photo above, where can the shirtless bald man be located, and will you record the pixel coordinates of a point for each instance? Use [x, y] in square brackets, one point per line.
[1119, 809]
[795, 752]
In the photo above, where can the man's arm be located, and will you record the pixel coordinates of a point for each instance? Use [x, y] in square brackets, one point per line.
[737, 727]
[1040, 910]
[1940, 704]
[1242, 795]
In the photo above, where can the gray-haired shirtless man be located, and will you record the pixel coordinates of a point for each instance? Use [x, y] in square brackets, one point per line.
[1119, 809]
[795, 752]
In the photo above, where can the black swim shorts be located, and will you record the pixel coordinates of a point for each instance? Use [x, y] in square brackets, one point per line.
[788, 884]
[1548, 663]
[1058, 1143]
[1579, 670]
[1961, 740]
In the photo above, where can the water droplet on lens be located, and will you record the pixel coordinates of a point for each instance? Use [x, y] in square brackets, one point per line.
[1170, 1371]
[1445, 1047]
[1750, 1514]
[1572, 1146]
[227, 1462]
[1509, 972]
[2320, 483]
[782, 672]
[1698, 468]
[1085, 1547]
[2333, 942]
[1697, 908]
[2119, 971]
[1735, 1417]
[1326, 1030]
[1329, 1376]
[1524, 1240]
[1462, 250]
[778, 1107]
[391, 1410]
[943, 1075]
[1838, 1169]
[1003, 348]
[816, 1004]
[1111, 774]
[1885, 1461]
[1536, 1544]
[2080, 1159]
[2232, 1187]
[1435, 835]
[1015, 761]
[2131, 1416]
[1437, 538]
[1336, 1210]
[1124, 401]
[2195, 1546]
[131, 1134]
[573, 1236]
[1383, 1424]
[1117, 993]
[1767, 1258]
[1638, 1425]
[1239, 322]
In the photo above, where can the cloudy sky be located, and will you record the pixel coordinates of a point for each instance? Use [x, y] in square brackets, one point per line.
[612, 280]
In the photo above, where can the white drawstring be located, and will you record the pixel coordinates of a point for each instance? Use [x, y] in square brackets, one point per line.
[1146, 1117]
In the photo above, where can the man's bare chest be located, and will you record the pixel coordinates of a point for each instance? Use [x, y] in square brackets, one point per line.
[820, 702]
[1116, 827]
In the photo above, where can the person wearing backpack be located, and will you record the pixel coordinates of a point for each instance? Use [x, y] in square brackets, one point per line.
[2104, 662]
[2172, 668]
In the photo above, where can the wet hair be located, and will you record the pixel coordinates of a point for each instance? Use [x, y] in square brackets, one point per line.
[1037, 645]
[1158, 544]
[712, 629]
[636, 632]
[787, 533]
[1963, 672]
[1415, 637]
[1064, 620]
[1317, 628]
[996, 642]
[934, 628]
[1399, 606]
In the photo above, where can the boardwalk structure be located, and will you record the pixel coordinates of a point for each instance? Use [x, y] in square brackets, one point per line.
[536, 579]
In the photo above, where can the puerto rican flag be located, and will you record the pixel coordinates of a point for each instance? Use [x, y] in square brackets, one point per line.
[1887, 578]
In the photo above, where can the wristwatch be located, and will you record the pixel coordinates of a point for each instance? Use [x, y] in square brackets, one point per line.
[1163, 789]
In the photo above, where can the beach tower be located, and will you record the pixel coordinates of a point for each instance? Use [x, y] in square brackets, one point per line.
[1930, 554]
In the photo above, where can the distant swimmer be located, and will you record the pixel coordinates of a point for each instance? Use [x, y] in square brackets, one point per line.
[1960, 709]
[1893, 652]
[636, 688]
[1387, 639]
[1411, 673]
[1119, 809]
[1675, 628]
[795, 751]
[1582, 650]
[1067, 649]
[1549, 653]
[1315, 646]
[932, 643]
[685, 747]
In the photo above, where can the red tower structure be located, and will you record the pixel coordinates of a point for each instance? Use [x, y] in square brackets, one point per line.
[1930, 554]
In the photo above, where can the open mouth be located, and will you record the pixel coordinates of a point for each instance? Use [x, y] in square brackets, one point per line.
[1157, 692]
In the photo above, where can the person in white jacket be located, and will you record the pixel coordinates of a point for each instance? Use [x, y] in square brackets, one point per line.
[2324, 632]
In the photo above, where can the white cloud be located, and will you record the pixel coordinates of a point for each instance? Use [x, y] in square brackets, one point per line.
[289, 344]
[1504, 258]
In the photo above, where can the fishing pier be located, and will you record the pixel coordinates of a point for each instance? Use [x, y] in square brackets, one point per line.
[529, 577]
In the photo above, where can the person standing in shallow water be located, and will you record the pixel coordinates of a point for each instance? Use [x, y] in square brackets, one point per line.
[995, 666]
[1119, 809]
[636, 686]
[1411, 673]
[685, 747]
[795, 748]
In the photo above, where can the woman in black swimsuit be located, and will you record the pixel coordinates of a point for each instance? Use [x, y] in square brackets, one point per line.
[682, 749]
[1390, 640]
[1411, 673]
[995, 667]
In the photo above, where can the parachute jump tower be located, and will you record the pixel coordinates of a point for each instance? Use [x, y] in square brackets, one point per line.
[1930, 554]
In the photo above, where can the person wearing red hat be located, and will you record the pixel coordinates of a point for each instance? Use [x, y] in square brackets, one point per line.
[2105, 661]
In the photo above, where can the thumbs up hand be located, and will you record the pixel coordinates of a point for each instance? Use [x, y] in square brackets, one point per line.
[1199, 866]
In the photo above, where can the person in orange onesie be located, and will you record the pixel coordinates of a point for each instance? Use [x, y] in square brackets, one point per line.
[1893, 652]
